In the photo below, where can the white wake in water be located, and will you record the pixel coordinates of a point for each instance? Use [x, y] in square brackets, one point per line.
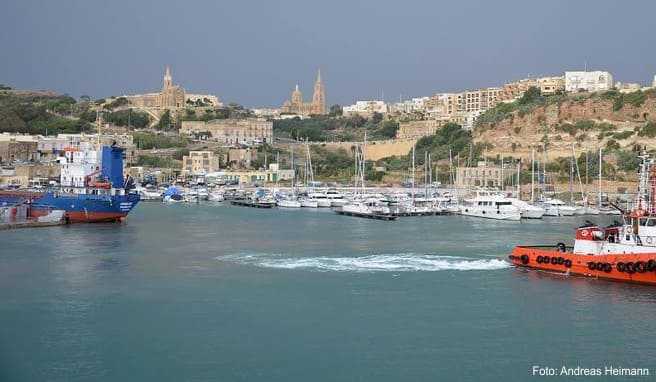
[405, 262]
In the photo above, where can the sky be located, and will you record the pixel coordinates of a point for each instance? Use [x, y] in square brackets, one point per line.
[254, 52]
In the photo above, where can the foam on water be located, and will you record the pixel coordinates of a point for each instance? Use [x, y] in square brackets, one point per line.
[402, 262]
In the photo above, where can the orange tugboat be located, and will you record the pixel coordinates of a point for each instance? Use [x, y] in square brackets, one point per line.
[620, 252]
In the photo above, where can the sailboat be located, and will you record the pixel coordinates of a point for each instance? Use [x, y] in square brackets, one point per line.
[289, 201]
[307, 201]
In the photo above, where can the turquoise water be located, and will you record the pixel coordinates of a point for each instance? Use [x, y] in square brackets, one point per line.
[219, 293]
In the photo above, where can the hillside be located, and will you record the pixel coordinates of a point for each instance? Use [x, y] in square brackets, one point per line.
[589, 120]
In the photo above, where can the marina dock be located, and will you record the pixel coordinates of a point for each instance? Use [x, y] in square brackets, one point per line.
[30, 224]
[249, 203]
[367, 216]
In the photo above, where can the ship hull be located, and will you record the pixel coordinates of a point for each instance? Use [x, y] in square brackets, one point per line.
[633, 268]
[78, 208]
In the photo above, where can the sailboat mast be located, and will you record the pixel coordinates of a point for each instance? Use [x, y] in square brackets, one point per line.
[599, 186]
[413, 174]
[519, 187]
[532, 175]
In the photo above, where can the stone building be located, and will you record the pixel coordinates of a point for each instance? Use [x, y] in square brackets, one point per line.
[296, 105]
[241, 158]
[199, 163]
[271, 175]
[171, 96]
[418, 129]
[547, 86]
[483, 175]
[18, 148]
[249, 131]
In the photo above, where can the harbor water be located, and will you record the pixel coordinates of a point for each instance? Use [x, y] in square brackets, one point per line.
[210, 292]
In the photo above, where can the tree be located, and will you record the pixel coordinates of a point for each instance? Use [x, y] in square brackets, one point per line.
[165, 121]
[376, 118]
[335, 111]
[531, 95]
[389, 128]
[85, 98]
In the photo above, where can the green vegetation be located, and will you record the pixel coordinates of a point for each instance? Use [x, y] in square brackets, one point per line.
[147, 141]
[531, 99]
[41, 114]
[451, 139]
[322, 128]
[233, 110]
[199, 102]
[622, 135]
[635, 99]
[335, 111]
[4, 87]
[389, 128]
[118, 102]
[648, 130]
[166, 123]
[178, 154]
[128, 117]
[160, 162]
[584, 126]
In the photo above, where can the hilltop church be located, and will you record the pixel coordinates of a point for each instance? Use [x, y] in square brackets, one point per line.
[172, 96]
[316, 107]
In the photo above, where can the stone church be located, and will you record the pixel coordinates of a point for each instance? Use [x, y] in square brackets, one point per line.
[171, 96]
[317, 106]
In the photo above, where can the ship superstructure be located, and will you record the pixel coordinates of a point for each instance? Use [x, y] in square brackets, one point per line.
[623, 251]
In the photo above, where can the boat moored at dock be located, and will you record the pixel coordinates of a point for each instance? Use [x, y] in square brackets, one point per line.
[624, 251]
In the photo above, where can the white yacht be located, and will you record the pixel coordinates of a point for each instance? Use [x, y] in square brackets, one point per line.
[369, 206]
[308, 203]
[149, 193]
[288, 201]
[336, 198]
[528, 210]
[216, 196]
[490, 207]
[321, 199]
[556, 207]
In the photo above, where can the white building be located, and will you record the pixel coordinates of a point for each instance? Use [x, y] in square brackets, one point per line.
[409, 106]
[588, 81]
[365, 108]
[266, 112]
[653, 84]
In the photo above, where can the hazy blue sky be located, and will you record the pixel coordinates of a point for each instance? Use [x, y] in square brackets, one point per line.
[253, 52]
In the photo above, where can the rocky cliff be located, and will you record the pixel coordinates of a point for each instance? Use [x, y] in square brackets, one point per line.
[610, 120]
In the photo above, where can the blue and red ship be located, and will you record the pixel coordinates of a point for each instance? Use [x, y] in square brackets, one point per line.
[87, 193]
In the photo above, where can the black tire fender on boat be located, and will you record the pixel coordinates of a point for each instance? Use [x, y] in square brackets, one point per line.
[600, 266]
[592, 265]
[524, 259]
[620, 267]
[554, 260]
[538, 259]
[629, 267]
[641, 267]
[651, 265]
[546, 259]
[568, 263]
[608, 268]
[560, 260]
[561, 247]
